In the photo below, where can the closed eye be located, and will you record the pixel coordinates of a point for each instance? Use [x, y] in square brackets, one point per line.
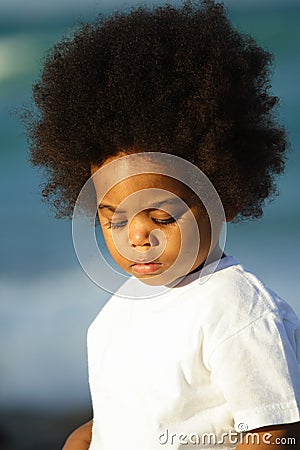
[164, 221]
[123, 223]
[116, 225]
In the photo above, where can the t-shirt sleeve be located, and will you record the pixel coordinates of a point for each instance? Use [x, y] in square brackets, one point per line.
[257, 370]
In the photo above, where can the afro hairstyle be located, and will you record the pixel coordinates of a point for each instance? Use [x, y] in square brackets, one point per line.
[177, 80]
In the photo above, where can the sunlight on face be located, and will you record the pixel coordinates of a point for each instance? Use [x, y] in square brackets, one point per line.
[153, 226]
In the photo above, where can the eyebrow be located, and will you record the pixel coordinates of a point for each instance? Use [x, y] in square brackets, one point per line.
[157, 205]
[110, 207]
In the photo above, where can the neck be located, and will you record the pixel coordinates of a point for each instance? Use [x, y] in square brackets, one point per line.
[211, 258]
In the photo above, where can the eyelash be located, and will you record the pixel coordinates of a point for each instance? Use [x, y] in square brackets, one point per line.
[119, 225]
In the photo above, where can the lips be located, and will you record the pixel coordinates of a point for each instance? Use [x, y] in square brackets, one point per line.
[146, 267]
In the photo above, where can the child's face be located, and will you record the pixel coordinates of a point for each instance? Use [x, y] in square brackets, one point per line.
[141, 212]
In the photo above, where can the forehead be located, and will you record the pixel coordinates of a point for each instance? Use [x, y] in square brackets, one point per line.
[151, 187]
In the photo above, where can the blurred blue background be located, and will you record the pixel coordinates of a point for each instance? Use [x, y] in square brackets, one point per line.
[47, 302]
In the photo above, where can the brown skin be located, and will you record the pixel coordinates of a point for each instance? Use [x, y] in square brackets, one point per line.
[80, 439]
[274, 438]
[147, 219]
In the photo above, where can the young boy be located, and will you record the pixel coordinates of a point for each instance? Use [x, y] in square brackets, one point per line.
[132, 104]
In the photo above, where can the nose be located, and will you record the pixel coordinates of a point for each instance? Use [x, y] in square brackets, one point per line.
[140, 228]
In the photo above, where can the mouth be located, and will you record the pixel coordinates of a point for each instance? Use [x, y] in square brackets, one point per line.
[142, 268]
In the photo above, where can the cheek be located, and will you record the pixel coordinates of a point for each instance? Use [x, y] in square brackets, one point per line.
[105, 232]
[191, 236]
[110, 243]
[174, 241]
[109, 240]
[116, 255]
[107, 235]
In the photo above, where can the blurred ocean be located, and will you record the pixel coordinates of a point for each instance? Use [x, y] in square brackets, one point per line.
[47, 302]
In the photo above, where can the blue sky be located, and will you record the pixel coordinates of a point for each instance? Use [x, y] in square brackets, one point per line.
[31, 9]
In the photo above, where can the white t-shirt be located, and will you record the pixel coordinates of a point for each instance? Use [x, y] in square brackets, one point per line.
[195, 366]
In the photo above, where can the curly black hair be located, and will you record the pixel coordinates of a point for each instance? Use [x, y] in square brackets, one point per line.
[178, 80]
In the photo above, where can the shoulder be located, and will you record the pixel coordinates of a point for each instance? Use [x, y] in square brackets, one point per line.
[253, 297]
[235, 298]
[235, 291]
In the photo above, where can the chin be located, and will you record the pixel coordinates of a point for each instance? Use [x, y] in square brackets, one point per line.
[163, 279]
